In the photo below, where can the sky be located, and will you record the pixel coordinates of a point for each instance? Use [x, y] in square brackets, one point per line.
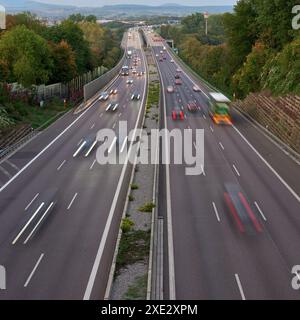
[152, 2]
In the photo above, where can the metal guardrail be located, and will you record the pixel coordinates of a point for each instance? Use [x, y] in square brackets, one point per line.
[18, 144]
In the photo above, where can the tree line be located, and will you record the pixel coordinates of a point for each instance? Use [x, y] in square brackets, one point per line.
[252, 49]
[32, 53]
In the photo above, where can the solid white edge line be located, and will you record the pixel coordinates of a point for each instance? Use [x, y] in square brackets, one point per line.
[31, 202]
[101, 247]
[34, 270]
[73, 199]
[44, 150]
[36, 226]
[216, 212]
[27, 224]
[171, 265]
[268, 165]
[240, 286]
[260, 211]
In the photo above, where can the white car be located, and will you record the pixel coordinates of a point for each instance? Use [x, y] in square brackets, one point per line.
[172, 61]
[178, 70]
[112, 107]
[135, 96]
[170, 89]
[103, 96]
[113, 91]
[196, 88]
[129, 81]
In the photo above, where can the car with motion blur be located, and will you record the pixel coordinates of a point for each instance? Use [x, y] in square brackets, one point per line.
[129, 81]
[112, 107]
[178, 82]
[86, 146]
[172, 61]
[177, 114]
[192, 106]
[103, 96]
[177, 76]
[178, 70]
[243, 212]
[196, 88]
[135, 96]
[161, 59]
[170, 89]
[113, 91]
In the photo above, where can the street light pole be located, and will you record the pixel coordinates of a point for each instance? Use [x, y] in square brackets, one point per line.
[206, 24]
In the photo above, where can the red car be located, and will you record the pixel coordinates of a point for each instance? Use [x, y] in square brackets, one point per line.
[178, 82]
[177, 115]
[192, 106]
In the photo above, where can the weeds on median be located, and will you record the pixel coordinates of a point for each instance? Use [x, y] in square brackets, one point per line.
[134, 247]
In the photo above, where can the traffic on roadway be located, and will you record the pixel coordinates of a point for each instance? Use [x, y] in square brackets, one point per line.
[233, 231]
[61, 212]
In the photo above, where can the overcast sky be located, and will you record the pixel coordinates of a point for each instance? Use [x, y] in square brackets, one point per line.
[152, 2]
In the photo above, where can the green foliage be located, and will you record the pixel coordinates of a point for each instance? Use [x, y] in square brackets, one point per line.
[248, 77]
[281, 73]
[147, 207]
[71, 32]
[64, 66]
[26, 57]
[134, 247]
[127, 225]
[79, 18]
[260, 49]
[138, 290]
[134, 186]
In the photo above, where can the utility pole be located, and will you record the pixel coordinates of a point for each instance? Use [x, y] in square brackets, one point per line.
[2, 18]
[206, 19]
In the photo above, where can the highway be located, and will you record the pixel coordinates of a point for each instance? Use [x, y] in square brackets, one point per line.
[67, 252]
[210, 253]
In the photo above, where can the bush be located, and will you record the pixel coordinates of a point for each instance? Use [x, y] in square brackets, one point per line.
[147, 207]
[127, 225]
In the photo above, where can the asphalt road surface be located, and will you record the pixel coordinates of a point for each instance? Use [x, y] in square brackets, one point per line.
[212, 254]
[60, 215]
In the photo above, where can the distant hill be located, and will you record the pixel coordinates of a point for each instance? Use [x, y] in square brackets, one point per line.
[109, 11]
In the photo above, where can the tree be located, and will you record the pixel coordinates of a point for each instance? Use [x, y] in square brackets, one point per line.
[274, 21]
[248, 77]
[26, 56]
[70, 32]
[27, 19]
[194, 23]
[241, 30]
[64, 67]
